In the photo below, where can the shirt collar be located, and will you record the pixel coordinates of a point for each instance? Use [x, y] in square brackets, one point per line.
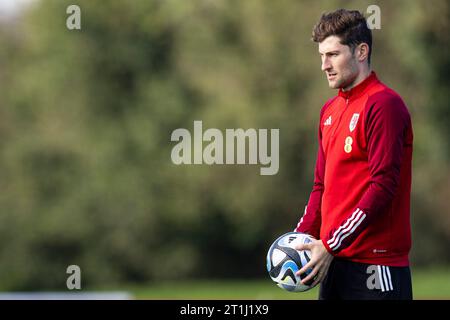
[360, 88]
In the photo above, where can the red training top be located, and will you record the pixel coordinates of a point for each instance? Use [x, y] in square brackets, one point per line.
[360, 203]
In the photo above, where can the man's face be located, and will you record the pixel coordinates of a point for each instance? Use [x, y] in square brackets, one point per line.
[338, 63]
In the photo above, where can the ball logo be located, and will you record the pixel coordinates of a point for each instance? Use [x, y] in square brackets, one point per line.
[291, 239]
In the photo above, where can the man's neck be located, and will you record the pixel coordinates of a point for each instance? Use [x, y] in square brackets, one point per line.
[360, 78]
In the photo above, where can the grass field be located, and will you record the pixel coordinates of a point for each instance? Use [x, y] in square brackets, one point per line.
[427, 284]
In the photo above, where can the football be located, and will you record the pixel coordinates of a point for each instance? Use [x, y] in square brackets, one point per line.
[283, 261]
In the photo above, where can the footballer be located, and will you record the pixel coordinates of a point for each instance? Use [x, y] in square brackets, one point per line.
[359, 207]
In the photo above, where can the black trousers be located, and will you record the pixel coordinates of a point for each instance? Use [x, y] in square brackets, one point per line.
[347, 280]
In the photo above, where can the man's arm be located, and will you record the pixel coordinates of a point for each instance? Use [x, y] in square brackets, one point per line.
[312, 219]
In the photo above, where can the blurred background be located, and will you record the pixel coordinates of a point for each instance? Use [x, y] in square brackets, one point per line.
[86, 116]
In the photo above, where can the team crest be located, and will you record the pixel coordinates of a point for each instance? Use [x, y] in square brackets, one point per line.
[354, 121]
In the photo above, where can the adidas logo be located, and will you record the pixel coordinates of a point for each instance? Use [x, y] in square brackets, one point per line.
[327, 122]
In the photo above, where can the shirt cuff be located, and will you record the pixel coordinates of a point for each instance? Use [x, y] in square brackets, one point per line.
[325, 244]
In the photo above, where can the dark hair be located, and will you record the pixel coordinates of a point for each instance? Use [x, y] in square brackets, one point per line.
[349, 25]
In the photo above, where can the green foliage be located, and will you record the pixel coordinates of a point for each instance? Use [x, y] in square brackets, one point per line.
[86, 117]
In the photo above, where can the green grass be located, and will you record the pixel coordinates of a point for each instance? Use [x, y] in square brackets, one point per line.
[431, 283]
[226, 290]
[427, 284]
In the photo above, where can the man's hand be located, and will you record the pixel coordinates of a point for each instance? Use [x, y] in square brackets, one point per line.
[319, 263]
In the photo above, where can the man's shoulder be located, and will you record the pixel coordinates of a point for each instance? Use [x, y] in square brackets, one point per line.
[381, 95]
[386, 105]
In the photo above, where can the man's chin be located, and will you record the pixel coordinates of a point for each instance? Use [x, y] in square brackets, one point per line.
[333, 85]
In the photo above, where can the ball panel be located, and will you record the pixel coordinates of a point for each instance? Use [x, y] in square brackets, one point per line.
[277, 256]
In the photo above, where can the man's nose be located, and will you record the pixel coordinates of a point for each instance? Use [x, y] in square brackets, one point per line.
[326, 64]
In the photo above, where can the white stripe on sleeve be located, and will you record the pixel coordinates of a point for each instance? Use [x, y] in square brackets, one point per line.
[360, 218]
[340, 229]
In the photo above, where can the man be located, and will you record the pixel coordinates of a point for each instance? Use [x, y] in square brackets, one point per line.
[359, 207]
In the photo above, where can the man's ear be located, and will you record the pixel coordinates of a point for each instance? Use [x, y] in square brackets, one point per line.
[362, 52]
